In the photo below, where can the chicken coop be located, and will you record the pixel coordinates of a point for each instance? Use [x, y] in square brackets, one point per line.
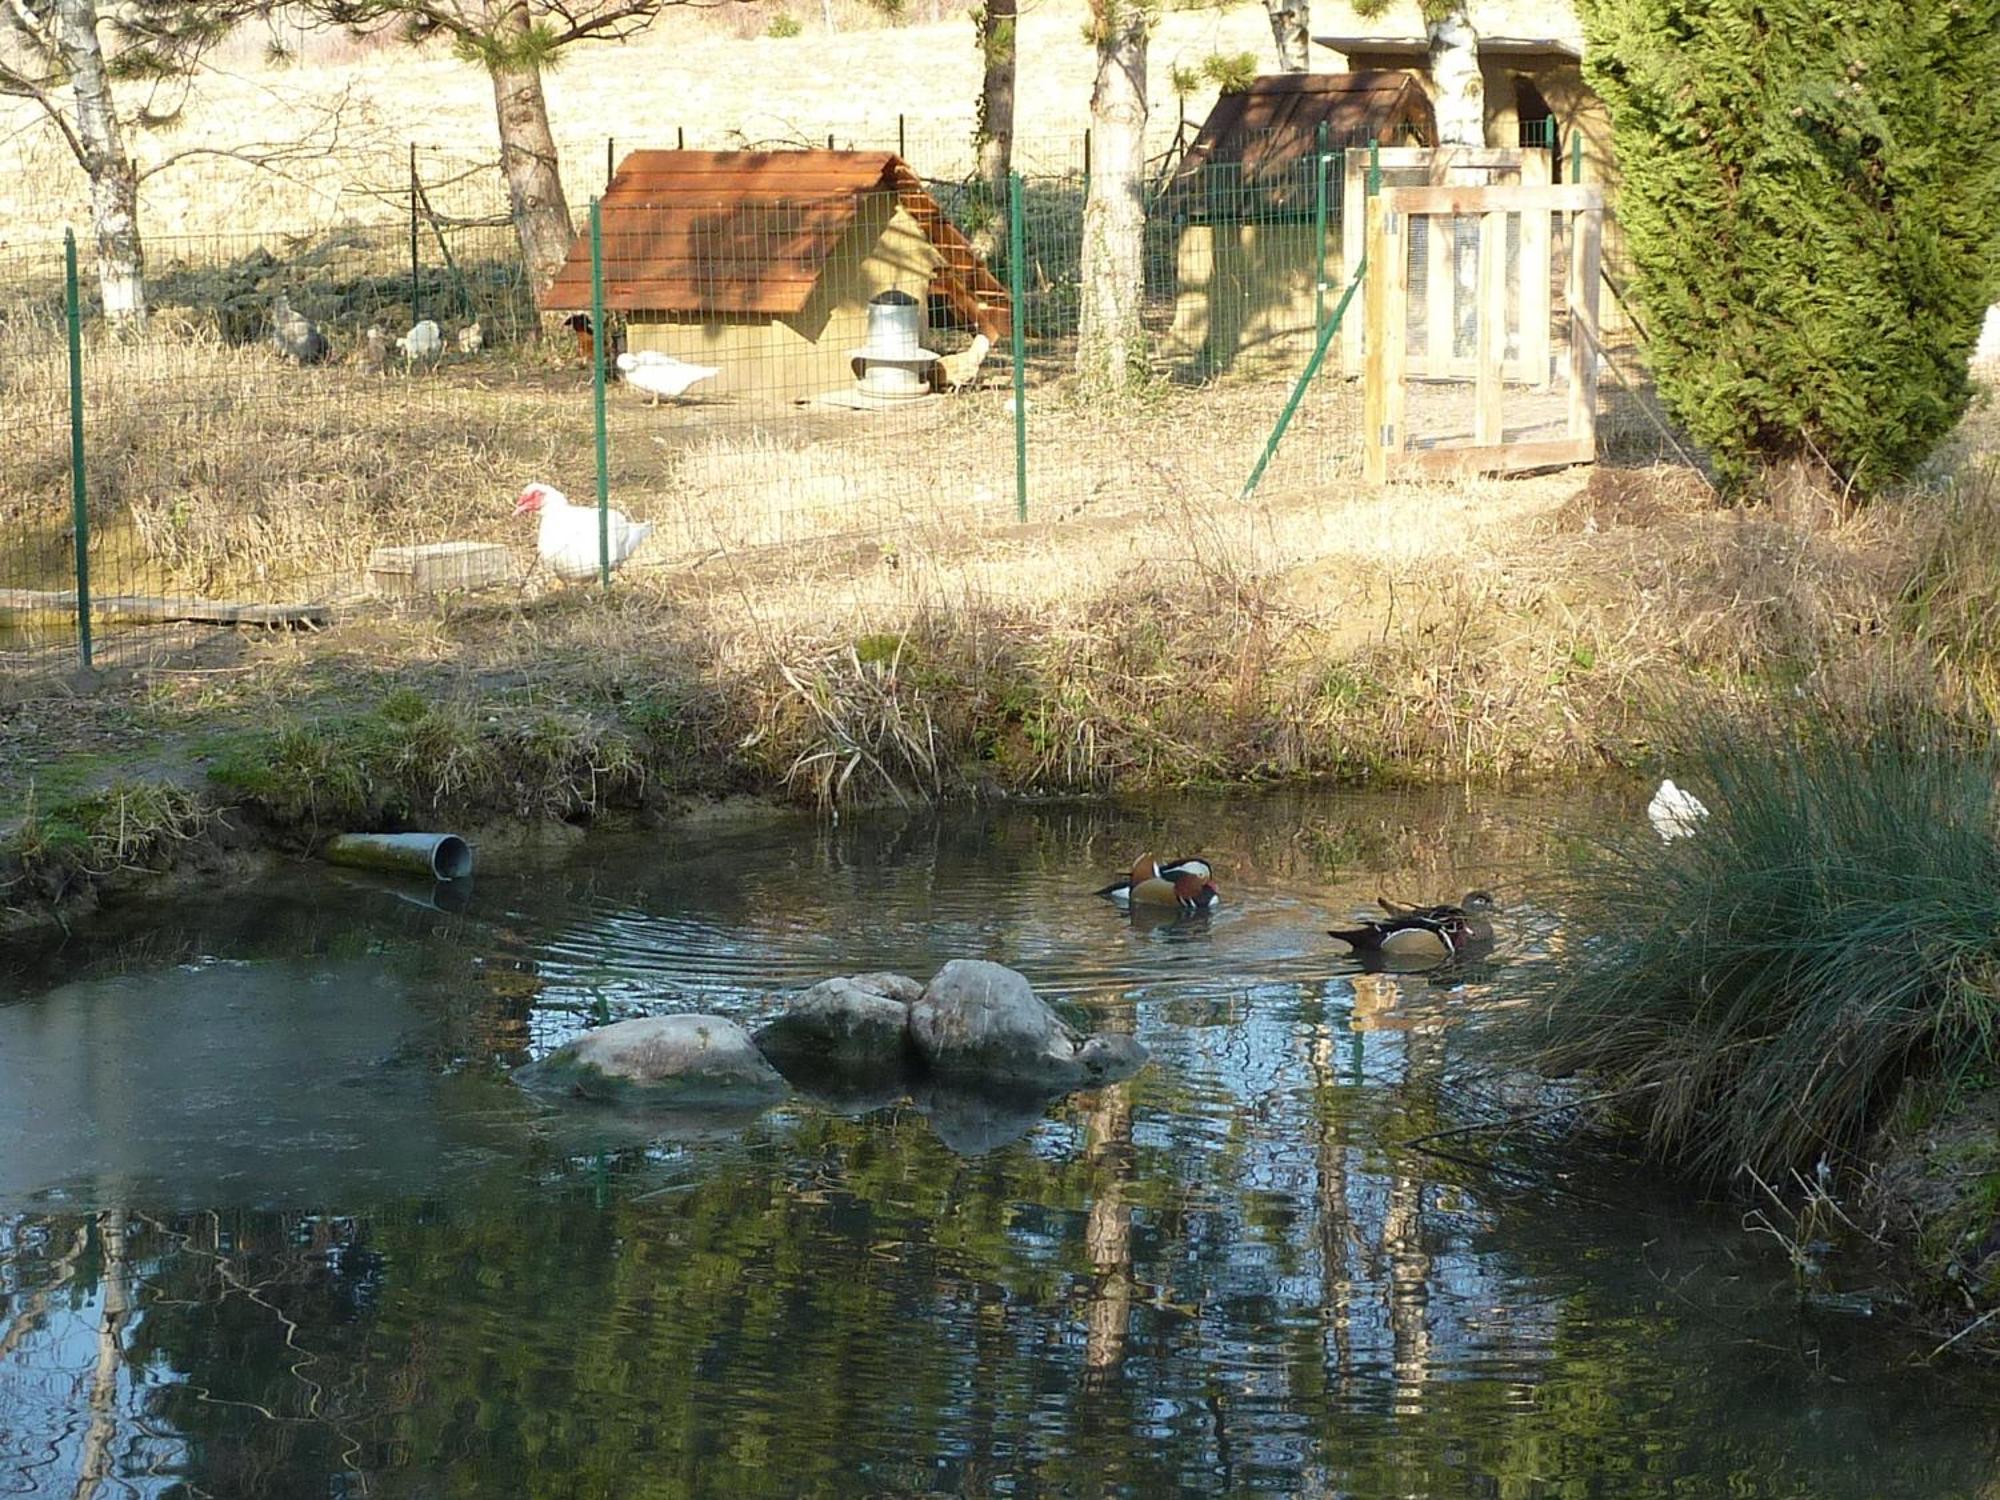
[1257, 201]
[762, 264]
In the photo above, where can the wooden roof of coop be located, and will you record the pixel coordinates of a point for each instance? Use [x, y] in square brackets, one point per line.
[751, 232]
[1253, 154]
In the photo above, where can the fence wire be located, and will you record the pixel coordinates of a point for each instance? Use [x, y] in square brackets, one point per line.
[340, 413]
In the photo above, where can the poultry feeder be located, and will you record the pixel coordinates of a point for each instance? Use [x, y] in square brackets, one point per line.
[893, 363]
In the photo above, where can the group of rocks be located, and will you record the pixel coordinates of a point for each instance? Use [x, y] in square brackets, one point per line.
[976, 1029]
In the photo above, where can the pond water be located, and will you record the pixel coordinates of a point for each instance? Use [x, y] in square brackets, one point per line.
[273, 1220]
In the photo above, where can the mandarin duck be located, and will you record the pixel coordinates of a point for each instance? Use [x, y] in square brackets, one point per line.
[1184, 883]
[1423, 931]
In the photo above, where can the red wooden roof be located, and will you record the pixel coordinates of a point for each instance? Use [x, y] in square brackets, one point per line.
[1260, 142]
[750, 232]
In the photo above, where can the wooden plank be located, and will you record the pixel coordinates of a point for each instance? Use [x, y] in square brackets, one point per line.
[1386, 298]
[143, 607]
[1491, 157]
[1534, 300]
[1491, 341]
[1500, 458]
[1353, 241]
[1569, 198]
[1440, 293]
[1585, 266]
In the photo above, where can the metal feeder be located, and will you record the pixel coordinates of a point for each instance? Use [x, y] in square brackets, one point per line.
[893, 363]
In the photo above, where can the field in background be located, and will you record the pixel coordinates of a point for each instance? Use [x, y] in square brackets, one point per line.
[693, 72]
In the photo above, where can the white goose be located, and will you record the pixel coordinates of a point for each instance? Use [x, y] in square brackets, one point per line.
[659, 374]
[567, 537]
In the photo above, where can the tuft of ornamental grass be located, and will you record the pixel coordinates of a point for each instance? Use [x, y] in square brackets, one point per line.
[1758, 993]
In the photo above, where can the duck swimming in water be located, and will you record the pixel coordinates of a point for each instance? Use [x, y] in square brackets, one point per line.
[1424, 931]
[1185, 883]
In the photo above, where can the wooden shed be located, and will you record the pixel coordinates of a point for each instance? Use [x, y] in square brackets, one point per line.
[762, 263]
[1528, 81]
[1251, 195]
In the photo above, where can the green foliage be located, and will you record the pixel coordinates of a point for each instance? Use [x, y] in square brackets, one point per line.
[1759, 993]
[1811, 194]
[1230, 72]
[784, 24]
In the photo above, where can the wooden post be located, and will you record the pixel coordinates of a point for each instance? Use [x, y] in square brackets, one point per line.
[1586, 238]
[1387, 300]
[1536, 238]
[1488, 429]
[1353, 243]
[1440, 290]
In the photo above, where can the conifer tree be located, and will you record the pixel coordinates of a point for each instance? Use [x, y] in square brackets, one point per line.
[1810, 192]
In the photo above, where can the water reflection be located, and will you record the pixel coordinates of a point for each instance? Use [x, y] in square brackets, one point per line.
[273, 1222]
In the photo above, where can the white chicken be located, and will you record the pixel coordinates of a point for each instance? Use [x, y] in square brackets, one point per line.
[660, 374]
[1675, 813]
[471, 338]
[567, 537]
[424, 341]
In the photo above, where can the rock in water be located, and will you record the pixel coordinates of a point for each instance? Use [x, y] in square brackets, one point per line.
[693, 1059]
[982, 1020]
[862, 1022]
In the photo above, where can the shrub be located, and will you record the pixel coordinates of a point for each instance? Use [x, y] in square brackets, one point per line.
[1811, 195]
[784, 24]
[1758, 992]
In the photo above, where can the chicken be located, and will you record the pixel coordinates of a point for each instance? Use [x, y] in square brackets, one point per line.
[373, 351]
[295, 334]
[424, 341]
[954, 372]
[660, 374]
[471, 338]
[566, 540]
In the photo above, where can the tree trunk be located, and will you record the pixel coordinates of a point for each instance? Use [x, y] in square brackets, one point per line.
[994, 134]
[1110, 348]
[97, 1463]
[1461, 93]
[114, 182]
[528, 156]
[1290, 20]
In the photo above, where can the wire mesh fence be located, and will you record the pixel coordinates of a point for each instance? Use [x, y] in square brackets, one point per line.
[800, 349]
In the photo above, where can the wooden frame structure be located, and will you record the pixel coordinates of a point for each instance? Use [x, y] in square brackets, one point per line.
[1453, 166]
[1388, 452]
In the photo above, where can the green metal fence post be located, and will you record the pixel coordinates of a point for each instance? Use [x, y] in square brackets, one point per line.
[598, 341]
[416, 191]
[1017, 320]
[1374, 166]
[79, 497]
[1575, 155]
[1319, 226]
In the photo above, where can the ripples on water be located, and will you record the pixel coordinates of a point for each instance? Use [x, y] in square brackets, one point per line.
[272, 1221]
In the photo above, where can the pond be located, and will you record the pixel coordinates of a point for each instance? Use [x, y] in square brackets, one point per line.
[274, 1221]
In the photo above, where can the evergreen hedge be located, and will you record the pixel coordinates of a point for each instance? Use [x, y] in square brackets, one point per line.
[1810, 191]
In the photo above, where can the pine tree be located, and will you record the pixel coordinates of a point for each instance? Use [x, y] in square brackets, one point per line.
[1810, 190]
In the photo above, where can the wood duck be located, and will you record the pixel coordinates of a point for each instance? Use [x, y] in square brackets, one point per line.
[1423, 931]
[1183, 882]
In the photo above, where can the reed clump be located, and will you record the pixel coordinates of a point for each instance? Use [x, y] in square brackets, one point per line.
[1759, 994]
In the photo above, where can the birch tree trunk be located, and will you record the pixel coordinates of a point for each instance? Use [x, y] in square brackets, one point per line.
[1461, 93]
[1290, 21]
[995, 132]
[1110, 345]
[528, 148]
[114, 181]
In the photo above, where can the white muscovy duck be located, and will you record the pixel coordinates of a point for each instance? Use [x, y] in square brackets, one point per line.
[1676, 812]
[660, 374]
[567, 537]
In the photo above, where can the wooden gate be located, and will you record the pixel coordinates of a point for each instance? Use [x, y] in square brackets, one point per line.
[1554, 419]
[1431, 351]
